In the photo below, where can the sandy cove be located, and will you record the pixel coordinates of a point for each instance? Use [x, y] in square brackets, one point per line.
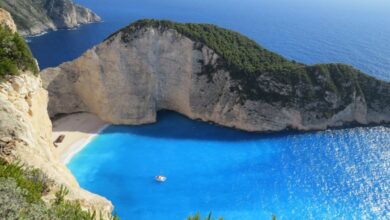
[79, 129]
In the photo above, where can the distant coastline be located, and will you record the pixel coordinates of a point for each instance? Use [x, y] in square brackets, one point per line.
[29, 37]
[33, 19]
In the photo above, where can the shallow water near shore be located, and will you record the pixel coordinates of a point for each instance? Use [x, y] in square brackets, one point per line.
[321, 175]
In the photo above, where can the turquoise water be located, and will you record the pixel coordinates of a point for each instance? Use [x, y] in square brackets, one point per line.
[341, 174]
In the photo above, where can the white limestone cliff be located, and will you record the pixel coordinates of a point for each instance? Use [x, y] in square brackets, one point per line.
[6, 19]
[26, 136]
[127, 82]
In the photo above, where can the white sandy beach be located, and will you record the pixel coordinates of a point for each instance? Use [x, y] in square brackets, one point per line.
[79, 129]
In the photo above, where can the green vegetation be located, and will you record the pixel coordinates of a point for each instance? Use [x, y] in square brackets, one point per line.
[197, 217]
[21, 191]
[261, 75]
[34, 182]
[209, 217]
[377, 93]
[15, 55]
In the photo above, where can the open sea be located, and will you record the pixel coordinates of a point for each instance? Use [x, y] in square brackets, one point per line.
[339, 174]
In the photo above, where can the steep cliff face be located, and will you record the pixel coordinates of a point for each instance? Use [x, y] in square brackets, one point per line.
[25, 135]
[26, 132]
[37, 16]
[154, 65]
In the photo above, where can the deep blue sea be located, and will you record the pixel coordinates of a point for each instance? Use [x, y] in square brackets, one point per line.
[341, 174]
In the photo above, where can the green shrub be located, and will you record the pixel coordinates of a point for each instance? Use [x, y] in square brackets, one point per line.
[21, 191]
[209, 217]
[7, 66]
[26, 179]
[63, 209]
[12, 199]
[15, 54]
[70, 210]
[197, 217]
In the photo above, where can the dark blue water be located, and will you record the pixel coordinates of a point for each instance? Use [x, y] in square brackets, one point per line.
[340, 174]
[355, 32]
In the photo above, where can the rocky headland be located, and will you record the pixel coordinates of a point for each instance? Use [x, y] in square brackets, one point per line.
[39, 16]
[212, 74]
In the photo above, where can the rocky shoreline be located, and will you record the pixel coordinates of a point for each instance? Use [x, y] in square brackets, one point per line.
[41, 16]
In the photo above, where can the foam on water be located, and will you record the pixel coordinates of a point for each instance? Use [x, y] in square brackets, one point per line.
[322, 175]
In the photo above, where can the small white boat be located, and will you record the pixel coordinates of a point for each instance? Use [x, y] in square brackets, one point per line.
[160, 179]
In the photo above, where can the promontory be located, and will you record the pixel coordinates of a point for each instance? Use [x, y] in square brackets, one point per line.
[211, 74]
[34, 17]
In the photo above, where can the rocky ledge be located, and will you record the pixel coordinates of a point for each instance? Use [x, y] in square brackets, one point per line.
[38, 16]
[212, 74]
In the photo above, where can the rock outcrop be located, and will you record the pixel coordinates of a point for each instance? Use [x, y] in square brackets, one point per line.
[150, 66]
[6, 20]
[38, 16]
[26, 134]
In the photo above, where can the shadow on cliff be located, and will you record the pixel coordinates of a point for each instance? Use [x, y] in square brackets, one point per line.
[172, 125]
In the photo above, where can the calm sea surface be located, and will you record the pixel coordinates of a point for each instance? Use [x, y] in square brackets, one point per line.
[341, 174]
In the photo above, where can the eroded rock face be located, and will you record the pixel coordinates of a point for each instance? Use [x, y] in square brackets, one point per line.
[25, 135]
[127, 79]
[6, 19]
[36, 17]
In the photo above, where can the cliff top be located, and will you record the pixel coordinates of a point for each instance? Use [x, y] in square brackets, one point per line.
[262, 74]
[237, 50]
[243, 57]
